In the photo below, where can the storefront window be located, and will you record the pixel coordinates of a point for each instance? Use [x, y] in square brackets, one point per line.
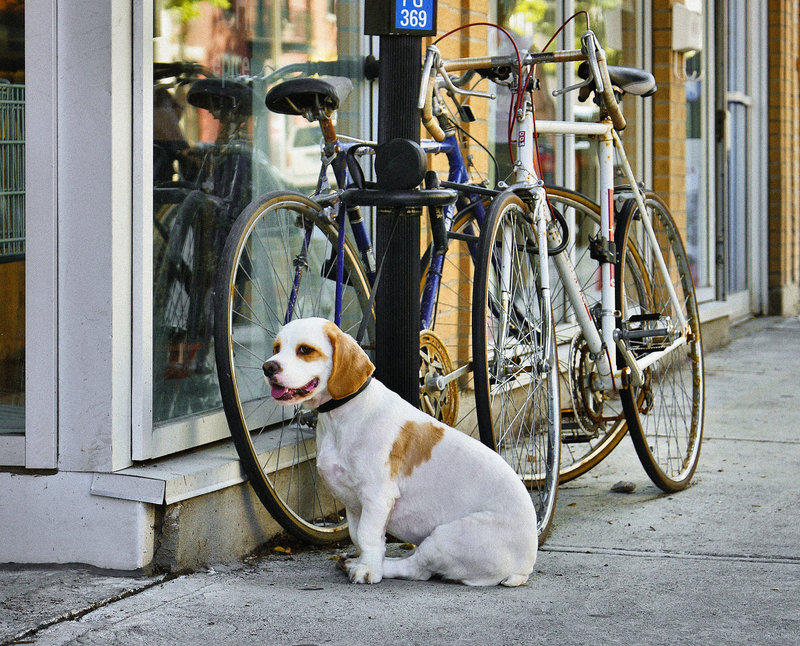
[572, 160]
[738, 163]
[216, 147]
[12, 217]
[531, 28]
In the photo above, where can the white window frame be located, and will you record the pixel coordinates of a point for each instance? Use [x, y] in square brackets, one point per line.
[37, 448]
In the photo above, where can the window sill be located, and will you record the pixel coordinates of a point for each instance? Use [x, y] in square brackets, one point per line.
[173, 479]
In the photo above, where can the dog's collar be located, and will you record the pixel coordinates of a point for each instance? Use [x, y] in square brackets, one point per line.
[333, 404]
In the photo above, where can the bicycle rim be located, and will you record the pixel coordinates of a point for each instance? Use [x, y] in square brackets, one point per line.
[665, 415]
[516, 386]
[593, 421]
[275, 237]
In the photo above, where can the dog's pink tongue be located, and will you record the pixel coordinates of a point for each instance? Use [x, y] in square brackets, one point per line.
[278, 391]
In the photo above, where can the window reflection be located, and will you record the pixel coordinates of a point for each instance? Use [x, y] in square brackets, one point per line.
[215, 148]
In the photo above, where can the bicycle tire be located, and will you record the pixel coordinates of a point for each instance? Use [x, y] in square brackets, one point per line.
[665, 415]
[516, 386]
[588, 435]
[276, 445]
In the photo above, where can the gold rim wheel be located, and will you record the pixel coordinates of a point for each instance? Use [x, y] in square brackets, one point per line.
[434, 364]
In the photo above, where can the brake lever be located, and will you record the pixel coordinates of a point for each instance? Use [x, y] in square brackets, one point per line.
[571, 88]
[456, 90]
[432, 56]
[589, 41]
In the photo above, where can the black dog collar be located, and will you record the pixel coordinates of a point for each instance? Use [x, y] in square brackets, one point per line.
[333, 404]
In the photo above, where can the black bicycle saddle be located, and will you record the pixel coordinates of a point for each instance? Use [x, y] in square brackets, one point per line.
[303, 96]
[630, 80]
[221, 96]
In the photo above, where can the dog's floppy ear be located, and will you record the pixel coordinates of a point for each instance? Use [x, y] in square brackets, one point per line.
[351, 365]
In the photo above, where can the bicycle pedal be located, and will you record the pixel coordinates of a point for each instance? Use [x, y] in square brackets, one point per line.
[578, 437]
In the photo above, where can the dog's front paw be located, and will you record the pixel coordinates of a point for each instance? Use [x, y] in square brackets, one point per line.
[359, 572]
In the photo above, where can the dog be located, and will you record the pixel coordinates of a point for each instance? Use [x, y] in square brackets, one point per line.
[401, 471]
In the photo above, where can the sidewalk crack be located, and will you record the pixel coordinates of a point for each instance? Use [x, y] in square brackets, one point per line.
[74, 615]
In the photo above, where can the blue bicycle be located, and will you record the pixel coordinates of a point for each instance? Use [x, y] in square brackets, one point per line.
[290, 256]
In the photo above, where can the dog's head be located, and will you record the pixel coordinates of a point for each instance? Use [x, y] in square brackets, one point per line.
[315, 362]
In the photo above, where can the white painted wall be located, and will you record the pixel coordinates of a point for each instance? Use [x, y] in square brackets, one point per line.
[55, 519]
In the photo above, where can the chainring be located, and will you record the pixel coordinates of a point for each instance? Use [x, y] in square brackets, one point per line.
[435, 362]
[587, 401]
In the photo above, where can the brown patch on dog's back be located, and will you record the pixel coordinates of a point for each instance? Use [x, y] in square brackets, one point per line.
[413, 446]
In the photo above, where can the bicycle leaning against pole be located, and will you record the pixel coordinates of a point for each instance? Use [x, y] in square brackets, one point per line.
[289, 256]
[640, 343]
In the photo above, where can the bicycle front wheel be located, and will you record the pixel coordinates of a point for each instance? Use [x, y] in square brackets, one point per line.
[665, 414]
[279, 263]
[515, 358]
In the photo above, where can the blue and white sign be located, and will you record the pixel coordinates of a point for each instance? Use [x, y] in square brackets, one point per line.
[413, 15]
[400, 17]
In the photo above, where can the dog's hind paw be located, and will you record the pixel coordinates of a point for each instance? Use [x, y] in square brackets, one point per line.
[513, 580]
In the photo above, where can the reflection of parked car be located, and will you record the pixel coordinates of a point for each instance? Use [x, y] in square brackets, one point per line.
[303, 155]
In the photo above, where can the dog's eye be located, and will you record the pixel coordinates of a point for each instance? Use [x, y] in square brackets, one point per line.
[305, 350]
[276, 348]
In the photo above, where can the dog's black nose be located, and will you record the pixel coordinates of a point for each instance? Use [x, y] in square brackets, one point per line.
[271, 368]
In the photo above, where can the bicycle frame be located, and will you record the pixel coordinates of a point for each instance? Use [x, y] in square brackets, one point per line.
[606, 337]
[598, 340]
[334, 156]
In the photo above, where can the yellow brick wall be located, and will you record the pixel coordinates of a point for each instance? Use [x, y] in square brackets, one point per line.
[784, 157]
[669, 118]
[453, 321]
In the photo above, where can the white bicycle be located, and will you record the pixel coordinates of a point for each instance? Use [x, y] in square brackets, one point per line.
[621, 302]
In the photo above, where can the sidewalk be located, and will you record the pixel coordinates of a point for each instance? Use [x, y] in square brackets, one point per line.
[717, 563]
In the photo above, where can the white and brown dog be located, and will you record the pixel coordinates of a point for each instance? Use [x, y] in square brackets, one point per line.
[399, 470]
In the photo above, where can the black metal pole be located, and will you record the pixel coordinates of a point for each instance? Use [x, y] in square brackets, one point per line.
[397, 300]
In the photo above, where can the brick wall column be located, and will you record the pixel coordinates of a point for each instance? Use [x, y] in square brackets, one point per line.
[784, 158]
[669, 118]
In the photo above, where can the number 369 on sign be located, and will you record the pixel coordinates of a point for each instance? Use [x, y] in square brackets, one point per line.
[413, 14]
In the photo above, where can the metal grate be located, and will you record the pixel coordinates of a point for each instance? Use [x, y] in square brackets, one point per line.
[12, 170]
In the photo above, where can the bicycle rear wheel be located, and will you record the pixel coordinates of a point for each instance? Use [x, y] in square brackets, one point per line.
[665, 414]
[279, 264]
[592, 420]
[516, 381]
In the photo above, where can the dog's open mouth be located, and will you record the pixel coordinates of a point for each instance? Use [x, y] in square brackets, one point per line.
[284, 394]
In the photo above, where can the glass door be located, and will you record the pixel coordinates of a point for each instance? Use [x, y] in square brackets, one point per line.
[744, 223]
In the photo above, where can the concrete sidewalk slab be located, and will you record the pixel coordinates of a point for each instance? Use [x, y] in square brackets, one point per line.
[32, 597]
